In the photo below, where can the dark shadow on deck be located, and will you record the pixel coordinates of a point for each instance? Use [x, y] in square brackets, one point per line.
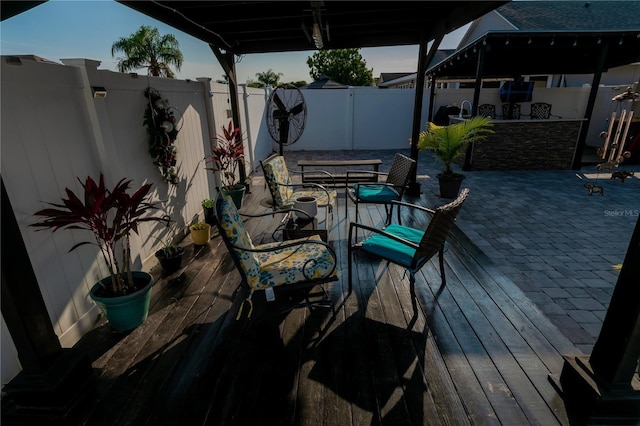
[475, 351]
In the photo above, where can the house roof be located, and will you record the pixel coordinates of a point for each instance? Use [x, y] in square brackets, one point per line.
[324, 82]
[390, 76]
[572, 15]
[280, 26]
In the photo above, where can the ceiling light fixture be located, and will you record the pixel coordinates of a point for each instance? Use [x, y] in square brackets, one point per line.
[317, 36]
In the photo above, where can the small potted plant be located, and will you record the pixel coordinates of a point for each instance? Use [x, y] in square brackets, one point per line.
[450, 142]
[200, 233]
[170, 254]
[111, 215]
[207, 205]
[226, 153]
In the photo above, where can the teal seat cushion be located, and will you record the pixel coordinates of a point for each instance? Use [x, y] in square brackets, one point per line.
[375, 193]
[402, 254]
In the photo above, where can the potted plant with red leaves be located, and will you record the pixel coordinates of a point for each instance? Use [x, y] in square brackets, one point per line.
[226, 153]
[111, 215]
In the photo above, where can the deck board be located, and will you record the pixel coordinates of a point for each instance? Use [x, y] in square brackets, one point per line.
[474, 352]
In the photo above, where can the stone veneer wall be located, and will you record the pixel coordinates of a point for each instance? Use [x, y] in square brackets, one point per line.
[527, 145]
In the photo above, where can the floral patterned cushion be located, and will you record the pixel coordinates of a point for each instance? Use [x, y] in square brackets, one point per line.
[308, 260]
[239, 237]
[277, 175]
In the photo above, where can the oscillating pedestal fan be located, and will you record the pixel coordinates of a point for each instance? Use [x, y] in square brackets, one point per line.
[286, 115]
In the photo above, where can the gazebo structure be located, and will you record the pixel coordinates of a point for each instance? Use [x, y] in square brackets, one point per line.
[512, 54]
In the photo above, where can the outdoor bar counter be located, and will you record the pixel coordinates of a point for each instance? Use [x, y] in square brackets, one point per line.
[526, 145]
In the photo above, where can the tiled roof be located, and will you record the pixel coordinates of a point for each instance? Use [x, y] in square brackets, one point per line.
[388, 76]
[572, 15]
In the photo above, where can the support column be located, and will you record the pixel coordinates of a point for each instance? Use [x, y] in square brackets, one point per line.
[227, 62]
[604, 387]
[53, 380]
[584, 129]
[474, 105]
[423, 60]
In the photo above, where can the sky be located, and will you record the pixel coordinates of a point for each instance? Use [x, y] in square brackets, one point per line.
[63, 29]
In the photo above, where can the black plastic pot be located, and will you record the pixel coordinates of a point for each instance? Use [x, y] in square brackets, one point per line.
[450, 184]
[171, 263]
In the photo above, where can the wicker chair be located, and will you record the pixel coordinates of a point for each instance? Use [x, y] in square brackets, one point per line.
[408, 247]
[275, 267]
[511, 111]
[382, 193]
[487, 110]
[541, 111]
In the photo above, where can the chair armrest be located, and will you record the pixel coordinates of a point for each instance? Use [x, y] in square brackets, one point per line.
[372, 172]
[307, 185]
[296, 243]
[413, 206]
[283, 222]
[353, 225]
[324, 172]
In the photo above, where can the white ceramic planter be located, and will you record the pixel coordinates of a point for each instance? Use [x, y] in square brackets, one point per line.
[309, 205]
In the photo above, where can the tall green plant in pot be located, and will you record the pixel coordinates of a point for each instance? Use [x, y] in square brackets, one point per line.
[449, 143]
[111, 215]
[226, 153]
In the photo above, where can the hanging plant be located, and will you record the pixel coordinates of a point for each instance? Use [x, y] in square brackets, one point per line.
[163, 124]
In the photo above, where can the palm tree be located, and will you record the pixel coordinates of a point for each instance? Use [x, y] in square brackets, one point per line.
[269, 78]
[146, 48]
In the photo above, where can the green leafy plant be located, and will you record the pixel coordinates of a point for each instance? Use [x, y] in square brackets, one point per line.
[169, 246]
[207, 203]
[226, 153]
[161, 123]
[199, 226]
[111, 215]
[449, 142]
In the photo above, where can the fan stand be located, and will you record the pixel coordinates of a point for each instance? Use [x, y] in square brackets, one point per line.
[286, 111]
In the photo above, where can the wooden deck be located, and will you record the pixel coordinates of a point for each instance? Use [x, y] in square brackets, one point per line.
[475, 352]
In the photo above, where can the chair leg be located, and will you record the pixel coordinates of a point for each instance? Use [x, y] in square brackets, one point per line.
[414, 298]
[441, 259]
[350, 266]
[346, 204]
[389, 209]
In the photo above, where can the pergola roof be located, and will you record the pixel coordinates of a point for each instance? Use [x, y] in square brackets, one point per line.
[515, 53]
[243, 27]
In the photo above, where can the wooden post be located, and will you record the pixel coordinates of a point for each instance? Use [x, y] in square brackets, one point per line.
[53, 380]
[576, 164]
[603, 387]
[423, 60]
[226, 60]
[474, 106]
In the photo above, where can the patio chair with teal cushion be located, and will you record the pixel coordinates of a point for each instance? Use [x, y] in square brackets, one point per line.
[405, 246]
[284, 192]
[385, 192]
[277, 266]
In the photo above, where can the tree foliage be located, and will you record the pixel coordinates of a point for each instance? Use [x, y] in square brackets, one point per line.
[147, 49]
[269, 78]
[344, 66]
